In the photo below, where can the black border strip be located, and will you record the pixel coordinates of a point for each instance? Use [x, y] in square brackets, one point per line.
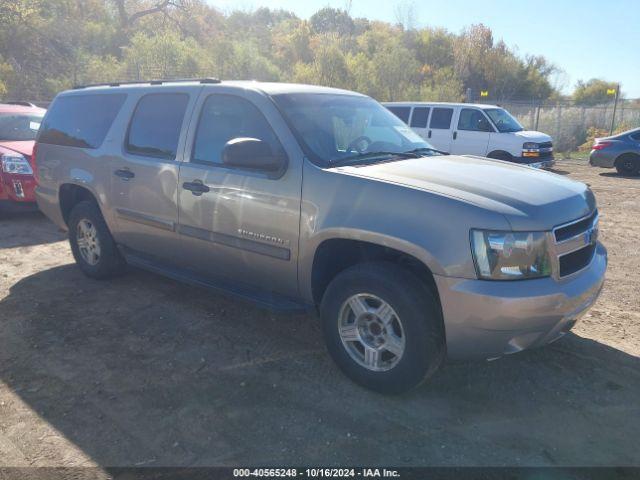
[402, 473]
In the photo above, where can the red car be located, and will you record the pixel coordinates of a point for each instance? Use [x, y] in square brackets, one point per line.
[19, 123]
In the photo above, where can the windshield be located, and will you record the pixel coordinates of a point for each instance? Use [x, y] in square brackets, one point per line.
[19, 126]
[338, 128]
[503, 120]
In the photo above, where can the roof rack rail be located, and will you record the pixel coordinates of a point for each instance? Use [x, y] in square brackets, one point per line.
[20, 103]
[150, 82]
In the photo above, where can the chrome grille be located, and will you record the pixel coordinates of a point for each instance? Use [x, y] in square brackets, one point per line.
[575, 244]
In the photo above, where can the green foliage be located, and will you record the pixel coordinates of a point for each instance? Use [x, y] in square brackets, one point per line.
[593, 92]
[50, 45]
[161, 55]
[332, 20]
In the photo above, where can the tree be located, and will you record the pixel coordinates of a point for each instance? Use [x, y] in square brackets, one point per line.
[329, 66]
[434, 46]
[129, 12]
[442, 85]
[166, 56]
[332, 20]
[470, 51]
[593, 92]
[49, 45]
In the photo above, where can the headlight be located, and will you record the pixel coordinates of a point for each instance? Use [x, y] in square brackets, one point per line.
[530, 146]
[510, 255]
[16, 164]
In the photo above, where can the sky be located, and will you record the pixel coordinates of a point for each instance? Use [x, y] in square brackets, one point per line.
[585, 38]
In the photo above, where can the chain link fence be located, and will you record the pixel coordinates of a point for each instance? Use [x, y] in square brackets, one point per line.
[569, 124]
[572, 125]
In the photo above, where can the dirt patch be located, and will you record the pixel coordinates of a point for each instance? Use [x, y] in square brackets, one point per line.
[146, 371]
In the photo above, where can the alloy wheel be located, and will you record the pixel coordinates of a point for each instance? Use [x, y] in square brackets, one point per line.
[371, 332]
[88, 242]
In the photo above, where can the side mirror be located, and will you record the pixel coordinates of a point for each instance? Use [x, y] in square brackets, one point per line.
[251, 153]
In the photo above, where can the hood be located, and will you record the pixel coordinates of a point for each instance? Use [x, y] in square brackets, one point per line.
[531, 136]
[23, 147]
[530, 199]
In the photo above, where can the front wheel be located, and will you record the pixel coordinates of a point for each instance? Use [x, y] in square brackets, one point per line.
[383, 327]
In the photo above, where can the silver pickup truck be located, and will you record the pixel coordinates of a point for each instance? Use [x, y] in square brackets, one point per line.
[308, 198]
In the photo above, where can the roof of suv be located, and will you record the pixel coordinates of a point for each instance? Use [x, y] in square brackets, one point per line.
[270, 88]
[445, 104]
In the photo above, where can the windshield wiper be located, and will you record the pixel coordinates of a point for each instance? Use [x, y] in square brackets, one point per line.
[427, 149]
[373, 156]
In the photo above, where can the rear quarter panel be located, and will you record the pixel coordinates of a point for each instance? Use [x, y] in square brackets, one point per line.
[89, 168]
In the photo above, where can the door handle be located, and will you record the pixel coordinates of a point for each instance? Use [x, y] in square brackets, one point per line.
[429, 134]
[196, 187]
[455, 135]
[124, 174]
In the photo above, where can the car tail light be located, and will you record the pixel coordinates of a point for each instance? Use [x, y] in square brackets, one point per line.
[33, 162]
[600, 146]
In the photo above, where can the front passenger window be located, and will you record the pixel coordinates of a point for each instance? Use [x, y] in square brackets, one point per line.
[227, 117]
[473, 120]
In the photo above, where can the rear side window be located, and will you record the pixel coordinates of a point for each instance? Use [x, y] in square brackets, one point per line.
[156, 123]
[225, 117]
[636, 136]
[441, 118]
[401, 112]
[80, 120]
[419, 117]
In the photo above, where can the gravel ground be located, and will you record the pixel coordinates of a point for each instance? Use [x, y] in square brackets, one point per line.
[146, 371]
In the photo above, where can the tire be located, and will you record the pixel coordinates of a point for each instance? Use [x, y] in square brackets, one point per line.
[416, 321]
[106, 261]
[628, 165]
[507, 157]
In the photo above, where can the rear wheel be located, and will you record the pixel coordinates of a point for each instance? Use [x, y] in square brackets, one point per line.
[628, 164]
[92, 245]
[383, 327]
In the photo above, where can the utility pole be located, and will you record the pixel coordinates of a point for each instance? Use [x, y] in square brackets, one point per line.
[615, 106]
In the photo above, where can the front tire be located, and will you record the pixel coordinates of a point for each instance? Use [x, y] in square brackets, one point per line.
[383, 327]
[628, 165]
[92, 245]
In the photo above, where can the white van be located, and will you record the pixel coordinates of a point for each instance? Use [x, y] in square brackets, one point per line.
[475, 129]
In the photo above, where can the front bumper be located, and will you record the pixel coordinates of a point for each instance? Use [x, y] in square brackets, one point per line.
[17, 188]
[546, 162]
[488, 319]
